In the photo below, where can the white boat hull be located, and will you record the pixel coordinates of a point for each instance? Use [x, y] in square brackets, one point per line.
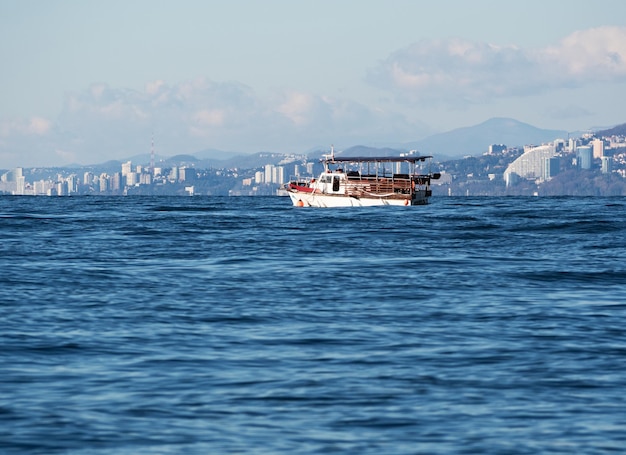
[305, 199]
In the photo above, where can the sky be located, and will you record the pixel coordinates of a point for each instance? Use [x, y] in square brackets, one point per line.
[86, 81]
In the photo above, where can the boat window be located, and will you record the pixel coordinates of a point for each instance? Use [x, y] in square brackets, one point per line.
[336, 183]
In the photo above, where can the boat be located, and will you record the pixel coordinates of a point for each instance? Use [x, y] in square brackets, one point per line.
[365, 181]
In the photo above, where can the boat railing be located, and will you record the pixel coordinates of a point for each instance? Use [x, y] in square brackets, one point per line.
[381, 187]
[300, 180]
[397, 184]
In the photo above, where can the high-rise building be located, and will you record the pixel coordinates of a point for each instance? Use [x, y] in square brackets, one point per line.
[62, 189]
[269, 171]
[104, 183]
[145, 179]
[131, 179]
[173, 177]
[40, 187]
[72, 184]
[607, 164]
[552, 167]
[585, 157]
[278, 173]
[117, 181]
[127, 168]
[598, 148]
[187, 174]
[531, 164]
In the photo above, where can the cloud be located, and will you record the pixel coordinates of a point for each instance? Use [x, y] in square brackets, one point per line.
[458, 71]
[302, 108]
[594, 55]
[33, 126]
[210, 118]
[22, 138]
[102, 122]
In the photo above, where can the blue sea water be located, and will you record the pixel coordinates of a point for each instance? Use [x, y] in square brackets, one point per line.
[244, 325]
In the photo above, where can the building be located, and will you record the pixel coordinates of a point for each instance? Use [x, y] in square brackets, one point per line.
[127, 168]
[531, 164]
[607, 164]
[145, 179]
[131, 178]
[71, 183]
[552, 166]
[104, 183]
[496, 148]
[573, 144]
[62, 188]
[278, 175]
[117, 181]
[598, 148]
[20, 181]
[269, 172]
[187, 174]
[173, 176]
[585, 157]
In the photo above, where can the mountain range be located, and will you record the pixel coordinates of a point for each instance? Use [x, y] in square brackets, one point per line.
[475, 140]
[454, 144]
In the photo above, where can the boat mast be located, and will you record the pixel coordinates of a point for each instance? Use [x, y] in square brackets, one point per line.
[329, 157]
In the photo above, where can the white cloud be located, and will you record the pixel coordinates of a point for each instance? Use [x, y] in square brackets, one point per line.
[155, 87]
[38, 126]
[211, 118]
[33, 126]
[104, 122]
[597, 54]
[458, 71]
[299, 107]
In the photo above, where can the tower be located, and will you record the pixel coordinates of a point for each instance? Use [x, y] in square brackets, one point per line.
[152, 156]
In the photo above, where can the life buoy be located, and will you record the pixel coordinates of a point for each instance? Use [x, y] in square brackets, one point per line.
[300, 203]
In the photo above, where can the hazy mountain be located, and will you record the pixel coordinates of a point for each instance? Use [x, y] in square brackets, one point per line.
[214, 154]
[182, 160]
[619, 130]
[475, 140]
[144, 159]
[472, 140]
[254, 160]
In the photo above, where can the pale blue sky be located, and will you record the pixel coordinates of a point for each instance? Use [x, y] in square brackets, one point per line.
[86, 81]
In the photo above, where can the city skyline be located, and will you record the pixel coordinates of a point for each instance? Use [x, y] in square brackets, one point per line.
[510, 165]
[88, 82]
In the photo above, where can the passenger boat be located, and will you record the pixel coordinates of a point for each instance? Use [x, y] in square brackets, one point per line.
[365, 181]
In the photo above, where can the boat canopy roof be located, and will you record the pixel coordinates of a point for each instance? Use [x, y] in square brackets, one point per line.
[377, 159]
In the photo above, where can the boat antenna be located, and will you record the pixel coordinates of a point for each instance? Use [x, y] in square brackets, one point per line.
[330, 157]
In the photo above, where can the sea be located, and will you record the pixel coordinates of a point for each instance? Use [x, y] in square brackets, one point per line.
[244, 325]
